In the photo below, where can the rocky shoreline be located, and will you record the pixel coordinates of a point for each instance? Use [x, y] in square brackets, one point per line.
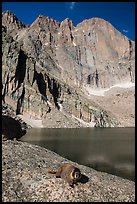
[25, 178]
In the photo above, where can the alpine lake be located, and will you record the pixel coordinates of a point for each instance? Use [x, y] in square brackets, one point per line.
[110, 150]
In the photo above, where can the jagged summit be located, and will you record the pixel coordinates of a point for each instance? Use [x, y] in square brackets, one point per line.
[12, 23]
[45, 23]
[67, 22]
[8, 12]
[10, 18]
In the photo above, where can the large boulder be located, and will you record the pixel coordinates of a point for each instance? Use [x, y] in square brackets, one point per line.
[11, 128]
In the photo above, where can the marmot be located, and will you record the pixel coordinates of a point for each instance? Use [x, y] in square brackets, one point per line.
[69, 173]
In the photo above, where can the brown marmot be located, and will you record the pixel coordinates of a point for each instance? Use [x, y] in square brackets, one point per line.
[69, 173]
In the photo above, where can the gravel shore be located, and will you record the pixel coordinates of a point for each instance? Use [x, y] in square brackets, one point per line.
[25, 178]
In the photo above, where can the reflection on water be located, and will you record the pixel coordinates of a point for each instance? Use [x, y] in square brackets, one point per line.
[110, 150]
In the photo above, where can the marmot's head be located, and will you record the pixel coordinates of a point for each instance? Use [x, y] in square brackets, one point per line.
[76, 174]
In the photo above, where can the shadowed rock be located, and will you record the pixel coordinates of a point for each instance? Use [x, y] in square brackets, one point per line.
[11, 128]
[84, 179]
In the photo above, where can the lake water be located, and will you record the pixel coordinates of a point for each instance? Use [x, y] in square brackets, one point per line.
[109, 150]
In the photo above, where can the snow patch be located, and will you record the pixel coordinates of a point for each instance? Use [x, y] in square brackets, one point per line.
[46, 44]
[101, 91]
[60, 107]
[32, 122]
[74, 44]
[90, 124]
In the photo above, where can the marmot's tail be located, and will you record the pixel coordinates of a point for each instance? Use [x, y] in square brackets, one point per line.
[51, 171]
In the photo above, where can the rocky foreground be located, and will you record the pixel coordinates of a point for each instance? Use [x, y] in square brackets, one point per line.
[25, 178]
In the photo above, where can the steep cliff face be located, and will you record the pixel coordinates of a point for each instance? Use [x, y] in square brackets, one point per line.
[106, 54]
[50, 64]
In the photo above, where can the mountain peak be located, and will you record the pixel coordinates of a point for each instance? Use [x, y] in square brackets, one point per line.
[7, 12]
[45, 22]
[11, 21]
[93, 22]
[67, 22]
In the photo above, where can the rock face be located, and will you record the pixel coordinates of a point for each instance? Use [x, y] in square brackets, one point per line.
[50, 65]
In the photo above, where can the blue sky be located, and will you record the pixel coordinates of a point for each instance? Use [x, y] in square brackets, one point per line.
[120, 14]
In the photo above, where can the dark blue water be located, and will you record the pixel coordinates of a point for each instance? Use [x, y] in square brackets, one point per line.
[110, 150]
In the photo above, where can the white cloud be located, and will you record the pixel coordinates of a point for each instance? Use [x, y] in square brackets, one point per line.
[71, 5]
[125, 31]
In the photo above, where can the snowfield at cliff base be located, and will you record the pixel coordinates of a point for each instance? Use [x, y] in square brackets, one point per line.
[102, 92]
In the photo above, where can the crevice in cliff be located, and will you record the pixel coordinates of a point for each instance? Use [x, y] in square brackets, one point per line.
[78, 54]
[96, 78]
[20, 69]
[93, 79]
[54, 89]
[41, 83]
[47, 85]
[5, 88]
[131, 74]
[89, 79]
[130, 49]
[130, 67]
[19, 109]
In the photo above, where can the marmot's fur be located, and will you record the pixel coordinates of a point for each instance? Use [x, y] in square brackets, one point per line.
[68, 172]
